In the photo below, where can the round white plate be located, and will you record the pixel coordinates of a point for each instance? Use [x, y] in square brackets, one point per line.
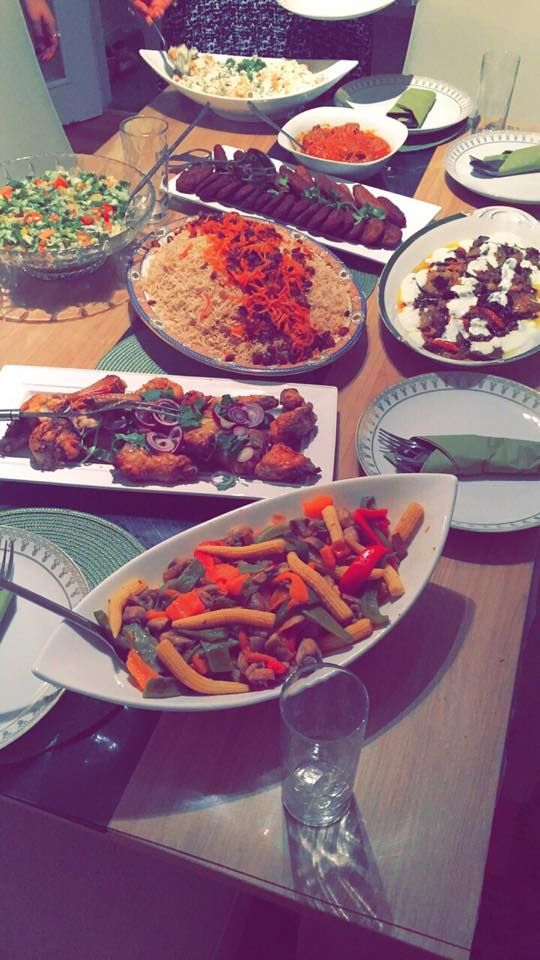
[449, 403]
[44, 568]
[381, 92]
[493, 222]
[340, 10]
[521, 188]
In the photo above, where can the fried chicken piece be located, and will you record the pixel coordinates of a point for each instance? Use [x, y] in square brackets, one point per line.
[290, 398]
[54, 443]
[294, 427]
[243, 459]
[265, 401]
[109, 384]
[16, 437]
[283, 465]
[138, 465]
[45, 401]
[192, 395]
[200, 442]
[174, 390]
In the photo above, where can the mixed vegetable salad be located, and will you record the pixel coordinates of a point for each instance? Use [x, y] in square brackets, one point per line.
[245, 610]
[61, 210]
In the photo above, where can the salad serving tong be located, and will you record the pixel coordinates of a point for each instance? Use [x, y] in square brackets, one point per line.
[121, 407]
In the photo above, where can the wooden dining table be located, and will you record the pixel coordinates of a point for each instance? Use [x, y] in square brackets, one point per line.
[407, 861]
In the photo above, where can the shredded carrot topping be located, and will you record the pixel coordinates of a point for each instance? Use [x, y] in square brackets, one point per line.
[272, 281]
[348, 143]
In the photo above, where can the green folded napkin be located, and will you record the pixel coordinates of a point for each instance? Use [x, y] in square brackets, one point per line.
[509, 163]
[470, 455]
[413, 107]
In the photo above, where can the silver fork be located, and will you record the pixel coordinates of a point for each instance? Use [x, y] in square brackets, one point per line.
[407, 447]
[407, 455]
[7, 564]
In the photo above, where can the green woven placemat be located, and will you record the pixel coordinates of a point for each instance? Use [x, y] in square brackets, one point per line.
[97, 546]
[143, 352]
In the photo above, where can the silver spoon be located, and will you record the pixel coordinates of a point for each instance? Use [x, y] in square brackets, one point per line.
[264, 116]
[167, 62]
[84, 624]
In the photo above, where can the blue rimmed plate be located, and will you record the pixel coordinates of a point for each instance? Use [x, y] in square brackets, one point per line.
[461, 402]
[504, 224]
[41, 565]
[148, 313]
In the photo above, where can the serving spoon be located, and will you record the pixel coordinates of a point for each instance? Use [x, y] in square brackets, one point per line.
[264, 116]
[85, 625]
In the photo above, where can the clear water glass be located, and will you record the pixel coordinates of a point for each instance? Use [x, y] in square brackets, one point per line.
[324, 710]
[144, 140]
[498, 75]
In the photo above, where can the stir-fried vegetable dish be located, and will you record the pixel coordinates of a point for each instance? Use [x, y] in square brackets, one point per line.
[61, 210]
[245, 610]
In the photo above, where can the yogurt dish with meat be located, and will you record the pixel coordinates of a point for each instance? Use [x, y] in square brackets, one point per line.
[477, 300]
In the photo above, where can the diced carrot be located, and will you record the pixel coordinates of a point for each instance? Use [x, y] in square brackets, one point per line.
[140, 671]
[235, 584]
[199, 663]
[328, 557]
[155, 614]
[313, 508]
[271, 662]
[298, 591]
[6, 192]
[185, 605]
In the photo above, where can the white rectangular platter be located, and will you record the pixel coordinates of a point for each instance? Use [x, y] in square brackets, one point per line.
[17, 383]
[417, 212]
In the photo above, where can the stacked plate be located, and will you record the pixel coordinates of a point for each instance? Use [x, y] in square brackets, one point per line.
[445, 119]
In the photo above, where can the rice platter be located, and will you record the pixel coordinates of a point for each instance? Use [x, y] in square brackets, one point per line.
[246, 292]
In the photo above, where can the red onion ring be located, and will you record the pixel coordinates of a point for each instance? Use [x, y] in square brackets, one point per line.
[145, 417]
[246, 414]
[159, 443]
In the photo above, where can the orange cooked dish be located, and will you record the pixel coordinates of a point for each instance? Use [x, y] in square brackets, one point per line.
[347, 143]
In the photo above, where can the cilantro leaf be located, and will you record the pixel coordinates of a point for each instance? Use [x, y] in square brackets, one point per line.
[156, 394]
[190, 414]
[230, 444]
[135, 439]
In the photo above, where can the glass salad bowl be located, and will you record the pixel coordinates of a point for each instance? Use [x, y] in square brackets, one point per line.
[70, 214]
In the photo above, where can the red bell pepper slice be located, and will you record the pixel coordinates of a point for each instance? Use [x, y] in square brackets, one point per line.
[359, 570]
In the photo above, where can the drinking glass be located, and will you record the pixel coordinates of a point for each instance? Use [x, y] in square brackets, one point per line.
[144, 139]
[324, 711]
[497, 81]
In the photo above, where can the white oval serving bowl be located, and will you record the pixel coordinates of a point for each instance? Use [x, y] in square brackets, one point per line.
[490, 222]
[394, 132]
[325, 74]
[70, 661]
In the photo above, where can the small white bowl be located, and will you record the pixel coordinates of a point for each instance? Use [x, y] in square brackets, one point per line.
[393, 131]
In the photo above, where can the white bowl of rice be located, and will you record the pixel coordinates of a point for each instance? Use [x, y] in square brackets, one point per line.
[275, 85]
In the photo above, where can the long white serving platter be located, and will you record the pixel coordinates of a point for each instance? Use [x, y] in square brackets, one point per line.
[417, 212]
[17, 383]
